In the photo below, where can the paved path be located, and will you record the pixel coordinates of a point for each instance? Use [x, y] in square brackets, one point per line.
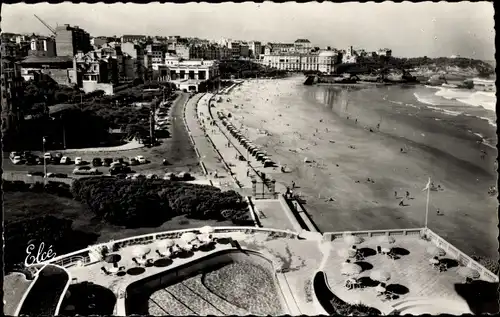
[222, 138]
[208, 155]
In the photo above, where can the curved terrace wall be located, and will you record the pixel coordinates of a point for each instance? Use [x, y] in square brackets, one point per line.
[72, 258]
[137, 291]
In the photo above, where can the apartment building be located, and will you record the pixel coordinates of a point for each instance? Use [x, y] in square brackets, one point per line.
[136, 39]
[42, 46]
[11, 95]
[134, 63]
[71, 40]
[255, 49]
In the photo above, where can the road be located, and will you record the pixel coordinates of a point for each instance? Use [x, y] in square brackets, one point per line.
[177, 149]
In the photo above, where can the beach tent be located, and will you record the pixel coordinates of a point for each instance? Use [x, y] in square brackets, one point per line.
[268, 162]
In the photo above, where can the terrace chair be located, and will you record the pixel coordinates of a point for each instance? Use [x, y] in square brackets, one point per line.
[105, 271]
[443, 267]
[121, 268]
[135, 261]
[160, 254]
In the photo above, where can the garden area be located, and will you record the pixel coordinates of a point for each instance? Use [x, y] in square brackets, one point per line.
[100, 209]
[44, 296]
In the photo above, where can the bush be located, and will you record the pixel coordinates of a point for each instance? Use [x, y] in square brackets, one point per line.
[152, 202]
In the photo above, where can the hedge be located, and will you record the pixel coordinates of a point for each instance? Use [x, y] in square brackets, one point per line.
[150, 202]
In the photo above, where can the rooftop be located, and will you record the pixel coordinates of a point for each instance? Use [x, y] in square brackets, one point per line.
[46, 60]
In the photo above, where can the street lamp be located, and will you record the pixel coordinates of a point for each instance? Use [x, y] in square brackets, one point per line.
[44, 161]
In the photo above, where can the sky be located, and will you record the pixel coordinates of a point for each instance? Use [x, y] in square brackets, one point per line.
[409, 29]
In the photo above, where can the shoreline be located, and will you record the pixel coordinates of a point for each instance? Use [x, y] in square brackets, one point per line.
[340, 172]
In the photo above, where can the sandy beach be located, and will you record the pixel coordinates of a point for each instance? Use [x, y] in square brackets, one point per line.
[294, 122]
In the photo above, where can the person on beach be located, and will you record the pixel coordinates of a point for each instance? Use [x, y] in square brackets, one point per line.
[438, 212]
[293, 184]
[378, 126]
[401, 203]
[356, 121]
[407, 194]
[395, 194]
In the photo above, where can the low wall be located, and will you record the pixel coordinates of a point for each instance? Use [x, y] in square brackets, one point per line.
[293, 220]
[13, 176]
[460, 256]
[330, 236]
[140, 289]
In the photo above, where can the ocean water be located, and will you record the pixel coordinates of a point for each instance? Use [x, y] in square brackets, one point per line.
[445, 140]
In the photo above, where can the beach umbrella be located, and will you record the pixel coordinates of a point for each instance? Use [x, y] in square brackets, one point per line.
[386, 239]
[351, 239]
[351, 269]
[346, 253]
[188, 237]
[435, 251]
[207, 229]
[205, 237]
[467, 272]
[140, 251]
[167, 243]
[113, 258]
[381, 276]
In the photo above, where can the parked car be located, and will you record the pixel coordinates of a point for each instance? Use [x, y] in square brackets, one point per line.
[14, 153]
[56, 175]
[17, 160]
[47, 156]
[35, 173]
[141, 159]
[119, 169]
[65, 160]
[26, 154]
[152, 176]
[31, 160]
[121, 176]
[78, 161]
[96, 161]
[134, 161]
[107, 161]
[85, 170]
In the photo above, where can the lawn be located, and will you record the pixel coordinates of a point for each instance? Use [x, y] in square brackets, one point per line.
[247, 286]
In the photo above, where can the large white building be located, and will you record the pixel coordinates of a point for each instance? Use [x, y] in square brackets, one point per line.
[191, 75]
[323, 61]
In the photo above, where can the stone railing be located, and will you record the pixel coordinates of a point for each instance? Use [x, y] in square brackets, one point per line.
[330, 236]
[83, 255]
[460, 256]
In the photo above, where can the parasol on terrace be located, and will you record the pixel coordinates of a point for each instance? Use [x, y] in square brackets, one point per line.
[167, 243]
[141, 251]
[381, 276]
[467, 272]
[386, 239]
[351, 239]
[113, 258]
[435, 251]
[346, 253]
[207, 229]
[351, 269]
[188, 237]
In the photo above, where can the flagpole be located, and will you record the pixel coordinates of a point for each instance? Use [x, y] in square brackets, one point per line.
[427, 205]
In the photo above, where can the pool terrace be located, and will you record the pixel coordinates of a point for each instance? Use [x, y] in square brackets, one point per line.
[295, 259]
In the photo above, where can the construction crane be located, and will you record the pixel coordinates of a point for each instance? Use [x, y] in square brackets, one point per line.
[46, 25]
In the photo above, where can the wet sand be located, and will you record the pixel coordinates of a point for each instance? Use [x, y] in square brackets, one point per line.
[302, 122]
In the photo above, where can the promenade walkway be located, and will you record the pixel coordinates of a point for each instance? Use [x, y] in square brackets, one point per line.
[222, 138]
[207, 154]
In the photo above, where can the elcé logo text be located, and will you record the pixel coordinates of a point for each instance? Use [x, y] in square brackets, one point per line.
[40, 256]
